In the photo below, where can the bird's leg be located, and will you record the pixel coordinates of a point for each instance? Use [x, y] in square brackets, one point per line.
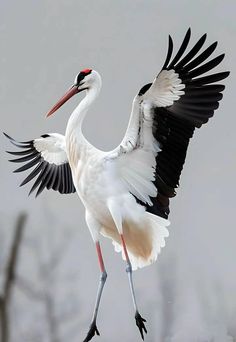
[138, 318]
[94, 227]
[114, 209]
[93, 327]
[102, 280]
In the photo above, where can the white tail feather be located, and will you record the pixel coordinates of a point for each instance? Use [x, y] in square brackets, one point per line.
[144, 240]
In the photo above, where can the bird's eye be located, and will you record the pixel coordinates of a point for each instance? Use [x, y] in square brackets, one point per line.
[78, 79]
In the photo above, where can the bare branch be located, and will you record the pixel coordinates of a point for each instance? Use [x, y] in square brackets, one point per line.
[10, 277]
[29, 289]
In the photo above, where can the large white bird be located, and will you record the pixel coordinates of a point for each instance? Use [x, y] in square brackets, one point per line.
[126, 192]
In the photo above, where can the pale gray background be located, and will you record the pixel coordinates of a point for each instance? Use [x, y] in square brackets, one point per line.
[189, 294]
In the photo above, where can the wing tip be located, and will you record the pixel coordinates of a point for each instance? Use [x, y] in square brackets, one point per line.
[215, 44]
[7, 136]
[17, 170]
[204, 36]
[23, 182]
[188, 33]
[169, 52]
[221, 57]
[31, 191]
[38, 193]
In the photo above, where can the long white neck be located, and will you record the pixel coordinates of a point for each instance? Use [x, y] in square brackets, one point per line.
[74, 125]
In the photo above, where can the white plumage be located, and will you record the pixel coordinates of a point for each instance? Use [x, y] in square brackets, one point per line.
[52, 148]
[166, 88]
[126, 191]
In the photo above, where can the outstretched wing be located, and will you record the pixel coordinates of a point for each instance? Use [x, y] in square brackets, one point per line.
[48, 157]
[167, 111]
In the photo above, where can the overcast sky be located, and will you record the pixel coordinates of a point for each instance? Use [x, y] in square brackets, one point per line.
[44, 44]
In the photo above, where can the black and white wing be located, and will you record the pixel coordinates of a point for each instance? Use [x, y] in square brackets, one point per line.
[165, 113]
[48, 157]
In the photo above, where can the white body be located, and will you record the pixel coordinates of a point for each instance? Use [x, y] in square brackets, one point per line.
[104, 180]
[111, 185]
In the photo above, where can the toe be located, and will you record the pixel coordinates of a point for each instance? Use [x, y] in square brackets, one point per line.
[92, 331]
[140, 324]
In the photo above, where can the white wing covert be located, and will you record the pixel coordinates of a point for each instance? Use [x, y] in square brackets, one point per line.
[164, 116]
[48, 155]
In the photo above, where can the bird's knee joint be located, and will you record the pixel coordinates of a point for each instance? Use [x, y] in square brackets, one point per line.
[103, 276]
[129, 268]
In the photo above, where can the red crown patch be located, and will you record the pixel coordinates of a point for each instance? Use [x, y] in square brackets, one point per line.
[86, 71]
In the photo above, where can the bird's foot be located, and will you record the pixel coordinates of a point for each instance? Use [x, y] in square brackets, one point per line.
[140, 324]
[92, 331]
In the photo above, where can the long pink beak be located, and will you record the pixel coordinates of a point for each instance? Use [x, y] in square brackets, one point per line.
[71, 92]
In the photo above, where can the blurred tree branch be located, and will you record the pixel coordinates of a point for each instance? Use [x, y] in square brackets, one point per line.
[44, 290]
[9, 280]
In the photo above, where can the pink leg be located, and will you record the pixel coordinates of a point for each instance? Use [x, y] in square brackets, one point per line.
[100, 258]
[125, 248]
[93, 328]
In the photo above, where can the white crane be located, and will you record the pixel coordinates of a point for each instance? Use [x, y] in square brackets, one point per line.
[126, 191]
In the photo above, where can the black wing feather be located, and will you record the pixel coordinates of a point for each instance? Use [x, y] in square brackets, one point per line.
[174, 125]
[44, 180]
[51, 183]
[24, 159]
[39, 178]
[62, 185]
[206, 67]
[18, 142]
[182, 49]
[201, 58]
[49, 175]
[20, 153]
[33, 174]
[209, 79]
[27, 166]
[169, 53]
[192, 53]
[57, 180]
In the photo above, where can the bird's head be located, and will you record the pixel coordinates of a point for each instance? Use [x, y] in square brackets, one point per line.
[85, 80]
